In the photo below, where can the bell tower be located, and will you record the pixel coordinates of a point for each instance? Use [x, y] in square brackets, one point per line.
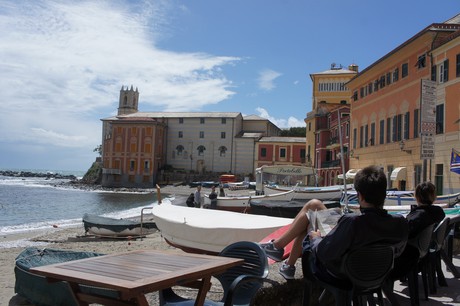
[129, 99]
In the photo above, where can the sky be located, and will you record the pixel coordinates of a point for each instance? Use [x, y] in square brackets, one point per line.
[63, 63]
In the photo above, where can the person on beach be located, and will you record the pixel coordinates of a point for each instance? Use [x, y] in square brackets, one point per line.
[197, 197]
[420, 216]
[353, 230]
[190, 200]
[213, 198]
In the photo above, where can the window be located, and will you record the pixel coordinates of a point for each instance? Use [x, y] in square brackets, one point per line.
[224, 121]
[201, 134]
[397, 120]
[444, 71]
[440, 119]
[222, 135]
[376, 85]
[263, 152]
[370, 87]
[366, 135]
[421, 62]
[222, 151]
[132, 165]
[302, 154]
[372, 139]
[180, 134]
[179, 150]
[389, 78]
[282, 152]
[404, 70]
[406, 125]
[389, 130]
[201, 120]
[148, 148]
[396, 75]
[355, 96]
[382, 132]
[146, 165]
[382, 81]
[457, 71]
[181, 120]
[361, 135]
[133, 147]
[201, 150]
[416, 125]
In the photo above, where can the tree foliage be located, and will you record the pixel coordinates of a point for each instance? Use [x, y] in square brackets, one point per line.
[294, 132]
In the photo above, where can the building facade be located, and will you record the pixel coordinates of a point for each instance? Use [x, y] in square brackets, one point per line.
[394, 112]
[331, 96]
[137, 145]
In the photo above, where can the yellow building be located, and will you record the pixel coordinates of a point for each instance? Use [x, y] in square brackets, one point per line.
[404, 109]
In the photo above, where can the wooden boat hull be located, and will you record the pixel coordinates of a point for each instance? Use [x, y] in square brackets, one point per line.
[241, 203]
[210, 231]
[328, 193]
[37, 290]
[109, 227]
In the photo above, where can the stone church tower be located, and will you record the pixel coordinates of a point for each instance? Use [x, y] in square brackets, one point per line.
[129, 99]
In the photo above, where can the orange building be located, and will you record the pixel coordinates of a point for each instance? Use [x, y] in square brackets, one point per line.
[397, 123]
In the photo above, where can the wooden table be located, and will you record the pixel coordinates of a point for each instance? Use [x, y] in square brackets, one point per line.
[133, 274]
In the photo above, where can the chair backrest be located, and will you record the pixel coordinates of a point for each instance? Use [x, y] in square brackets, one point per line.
[368, 266]
[439, 235]
[255, 264]
[422, 241]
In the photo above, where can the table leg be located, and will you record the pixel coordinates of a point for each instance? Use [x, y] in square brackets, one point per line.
[205, 286]
[75, 289]
[449, 264]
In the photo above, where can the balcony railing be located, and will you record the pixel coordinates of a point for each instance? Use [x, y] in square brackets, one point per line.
[330, 163]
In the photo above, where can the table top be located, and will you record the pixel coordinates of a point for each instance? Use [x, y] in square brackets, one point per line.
[138, 272]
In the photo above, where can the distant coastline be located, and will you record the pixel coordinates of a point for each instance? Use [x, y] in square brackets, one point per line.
[49, 175]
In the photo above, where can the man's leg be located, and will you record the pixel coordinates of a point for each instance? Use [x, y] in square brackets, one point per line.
[298, 227]
[297, 231]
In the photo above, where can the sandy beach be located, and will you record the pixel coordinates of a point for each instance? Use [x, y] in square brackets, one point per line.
[276, 291]
[74, 239]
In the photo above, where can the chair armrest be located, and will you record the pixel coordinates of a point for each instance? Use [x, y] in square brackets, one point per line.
[242, 279]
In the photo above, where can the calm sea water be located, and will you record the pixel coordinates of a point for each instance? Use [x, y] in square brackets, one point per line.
[31, 204]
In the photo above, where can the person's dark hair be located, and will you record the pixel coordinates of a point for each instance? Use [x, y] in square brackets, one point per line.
[425, 193]
[371, 183]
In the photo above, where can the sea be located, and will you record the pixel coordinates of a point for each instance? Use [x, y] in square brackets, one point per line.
[32, 204]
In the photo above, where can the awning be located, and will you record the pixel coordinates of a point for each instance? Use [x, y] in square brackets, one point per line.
[399, 174]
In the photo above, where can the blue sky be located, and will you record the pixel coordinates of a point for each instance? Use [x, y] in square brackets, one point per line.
[62, 63]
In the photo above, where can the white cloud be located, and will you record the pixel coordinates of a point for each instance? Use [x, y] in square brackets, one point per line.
[62, 65]
[267, 79]
[281, 123]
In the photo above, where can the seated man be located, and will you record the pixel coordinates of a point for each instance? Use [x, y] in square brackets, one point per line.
[373, 225]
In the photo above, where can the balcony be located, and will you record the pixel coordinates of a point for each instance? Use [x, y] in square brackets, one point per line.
[330, 163]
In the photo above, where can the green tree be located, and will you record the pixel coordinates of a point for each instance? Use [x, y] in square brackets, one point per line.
[294, 132]
[98, 149]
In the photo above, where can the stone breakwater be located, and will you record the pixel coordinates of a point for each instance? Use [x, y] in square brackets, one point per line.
[49, 175]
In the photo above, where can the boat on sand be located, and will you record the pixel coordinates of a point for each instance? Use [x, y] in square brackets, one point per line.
[36, 289]
[209, 231]
[110, 227]
[326, 193]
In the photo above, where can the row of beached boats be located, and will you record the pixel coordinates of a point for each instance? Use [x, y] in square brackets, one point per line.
[205, 231]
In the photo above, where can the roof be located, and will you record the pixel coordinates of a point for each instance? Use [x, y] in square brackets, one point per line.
[452, 25]
[160, 115]
[254, 117]
[284, 139]
[335, 71]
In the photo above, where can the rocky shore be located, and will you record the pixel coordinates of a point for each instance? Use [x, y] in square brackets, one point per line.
[48, 175]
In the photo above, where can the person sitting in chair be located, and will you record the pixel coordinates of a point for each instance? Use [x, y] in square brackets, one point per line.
[353, 230]
[420, 217]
